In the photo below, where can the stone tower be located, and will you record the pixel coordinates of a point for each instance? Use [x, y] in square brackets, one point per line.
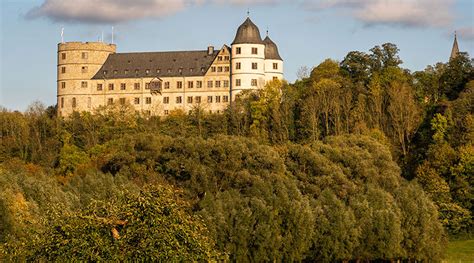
[248, 59]
[78, 62]
[455, 49]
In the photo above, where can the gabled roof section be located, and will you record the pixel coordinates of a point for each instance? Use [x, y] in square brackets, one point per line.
[156, 64]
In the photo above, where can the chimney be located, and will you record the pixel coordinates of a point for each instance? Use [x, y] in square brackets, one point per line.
[210, 50]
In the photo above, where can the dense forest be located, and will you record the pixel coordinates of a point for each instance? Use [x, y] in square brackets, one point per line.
[357, 160]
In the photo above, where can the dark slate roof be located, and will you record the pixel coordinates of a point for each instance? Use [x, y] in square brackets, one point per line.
[271, 49]
[158, 64]
[248, 33]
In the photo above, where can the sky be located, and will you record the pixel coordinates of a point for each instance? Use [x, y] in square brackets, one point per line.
[306, 32]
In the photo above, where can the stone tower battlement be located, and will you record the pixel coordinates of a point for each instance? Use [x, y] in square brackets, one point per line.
[77, 64]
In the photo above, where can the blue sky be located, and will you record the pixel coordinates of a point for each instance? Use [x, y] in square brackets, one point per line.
[306, 32]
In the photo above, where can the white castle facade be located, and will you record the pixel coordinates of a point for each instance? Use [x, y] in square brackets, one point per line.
[92, 74]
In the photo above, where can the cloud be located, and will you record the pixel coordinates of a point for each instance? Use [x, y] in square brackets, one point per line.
[466, 33]
[404, 13]
[246, 2]
[106, 11]
[117, 11]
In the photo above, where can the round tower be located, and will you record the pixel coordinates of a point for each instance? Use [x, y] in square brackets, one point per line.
[248, 59]
[78, 62]
[273, 61]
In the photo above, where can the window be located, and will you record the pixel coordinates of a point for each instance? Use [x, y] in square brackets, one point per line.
[123, 86]
[167, 85]
[148, 100]
[275, 78]
[166, 100]
[254, 82]
[213, 69]
[115, 72]
[179, 85]
[158, 70]
[190, 99]
[209, 99]
[190, 84]
[254, 51]
[125, 71]
[198, 99]
[63, 55]
[169, 70]
[136, 100]
[218, 83]
[83, 84]
[99, 87]
[122, 101]
[209, 83]
[136, 71]
[198, 84]
[110, 101]
[225, 98]
[74, 102]
[275, 65]
[147, 71]
[166, 112]
[84, 69]
[238, 50]
[147, 85]
[226, 83]
[237, 65]
[89, 102]
[84, 55]
[111, 86]
[136, 85]
[227, 58]
[63, 85]
[62, 102]
[104, 72]
[179, 100]
[147, 112]
[226, 69]
[219, 69]
[219, 58]
[218, 99]
[237, 83]
[254, 65]
[63, 69]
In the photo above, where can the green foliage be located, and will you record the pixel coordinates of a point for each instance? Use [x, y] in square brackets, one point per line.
[151, 225]
[292, 172]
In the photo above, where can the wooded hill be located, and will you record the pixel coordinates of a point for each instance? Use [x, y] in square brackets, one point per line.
[357, 160]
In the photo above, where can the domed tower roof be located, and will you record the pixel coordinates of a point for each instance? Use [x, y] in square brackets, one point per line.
[248, 33]
[271, 49]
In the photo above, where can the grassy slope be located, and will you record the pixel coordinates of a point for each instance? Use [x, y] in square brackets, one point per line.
[460, 251]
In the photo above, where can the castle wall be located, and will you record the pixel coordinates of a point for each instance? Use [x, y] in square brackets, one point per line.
[246, 74]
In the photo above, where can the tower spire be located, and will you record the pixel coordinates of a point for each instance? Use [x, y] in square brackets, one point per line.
[455, 49]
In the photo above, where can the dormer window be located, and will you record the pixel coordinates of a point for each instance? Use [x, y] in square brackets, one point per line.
[136, 71]
[169, 70]
[125, 71]
[180, 70]
[191, 70]
[158, 70]
[105, 72]
[147, 71]
[115, 72]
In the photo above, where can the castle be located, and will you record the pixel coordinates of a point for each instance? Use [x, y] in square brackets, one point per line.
[92, 74]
